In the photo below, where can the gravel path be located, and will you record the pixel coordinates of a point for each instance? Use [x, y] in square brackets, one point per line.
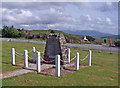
[84, 46]
[31, 68]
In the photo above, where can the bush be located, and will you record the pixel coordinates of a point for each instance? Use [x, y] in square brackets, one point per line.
[52, 31]
[10, 32]
[15, 33]
[20, 34]
[117, 43]
[90, 38]
[5, 31]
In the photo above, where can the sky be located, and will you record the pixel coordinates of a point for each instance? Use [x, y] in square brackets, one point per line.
[70, 16]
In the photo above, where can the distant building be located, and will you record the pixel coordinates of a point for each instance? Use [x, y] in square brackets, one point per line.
[85, 38]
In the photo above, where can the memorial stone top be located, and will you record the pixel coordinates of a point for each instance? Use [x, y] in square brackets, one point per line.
[55, 45]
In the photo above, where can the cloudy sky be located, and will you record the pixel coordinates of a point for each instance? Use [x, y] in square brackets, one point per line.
[74, 16]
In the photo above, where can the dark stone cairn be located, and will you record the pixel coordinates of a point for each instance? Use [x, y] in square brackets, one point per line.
[55, 45]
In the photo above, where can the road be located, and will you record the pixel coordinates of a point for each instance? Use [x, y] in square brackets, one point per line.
[83, 46]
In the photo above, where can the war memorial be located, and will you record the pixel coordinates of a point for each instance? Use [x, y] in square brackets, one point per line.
[56, 55]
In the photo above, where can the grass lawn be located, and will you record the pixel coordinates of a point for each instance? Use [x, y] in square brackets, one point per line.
[103, 72]
[19, 47]
[36, 39]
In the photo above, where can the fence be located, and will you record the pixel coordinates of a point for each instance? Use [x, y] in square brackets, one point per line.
[56, 60]
[77, 59]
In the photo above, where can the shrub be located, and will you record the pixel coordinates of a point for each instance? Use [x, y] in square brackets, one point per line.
[5, 31]
[10, 32]
[52, 31]
[117, 43]
[15, 33]
[90, 38]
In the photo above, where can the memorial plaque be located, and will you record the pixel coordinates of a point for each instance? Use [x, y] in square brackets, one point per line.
[55, 45]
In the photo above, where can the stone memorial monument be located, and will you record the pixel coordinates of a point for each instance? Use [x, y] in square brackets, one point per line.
[55, 45]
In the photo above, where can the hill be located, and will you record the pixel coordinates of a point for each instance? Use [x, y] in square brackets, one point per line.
[70, 38]
[92, 33]
[113, 36]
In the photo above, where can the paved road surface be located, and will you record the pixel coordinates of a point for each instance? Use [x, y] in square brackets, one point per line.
[85, 46]
[94, 47]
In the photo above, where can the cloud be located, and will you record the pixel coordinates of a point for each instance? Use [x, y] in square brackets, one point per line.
[33, 5]
[108, 6]
[108, 20]
[31, 15]
[86, 17]
[16, 16]
[98, 6]
[109, 3]
[25, 13]
[98, 20]
[83, 5]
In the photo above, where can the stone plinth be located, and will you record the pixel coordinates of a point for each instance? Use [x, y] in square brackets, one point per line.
[55, 45]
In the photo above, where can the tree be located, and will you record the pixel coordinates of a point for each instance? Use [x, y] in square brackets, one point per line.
[90, 38]
[15, 33]
[10, 32]
[52, 31]
[5, 31]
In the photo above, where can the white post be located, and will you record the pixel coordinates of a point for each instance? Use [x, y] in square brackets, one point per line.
[57, 65]
[13, 56]
[68, 55]
[77, 62]
[25, 58]
[33, 52]
[89, 58]
[38, 62]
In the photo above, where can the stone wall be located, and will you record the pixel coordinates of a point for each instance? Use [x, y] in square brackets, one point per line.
[55, 45]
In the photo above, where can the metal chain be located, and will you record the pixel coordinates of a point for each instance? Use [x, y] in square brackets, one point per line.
[73, 58]
[30, 51]
[72, 53]
[84, 58]
[63, 60]
[19, 53]
[49, 61]
[39, 51]
[30, 57]
[42, 52]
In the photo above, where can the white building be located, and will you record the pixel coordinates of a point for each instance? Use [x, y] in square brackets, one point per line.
[85, 38]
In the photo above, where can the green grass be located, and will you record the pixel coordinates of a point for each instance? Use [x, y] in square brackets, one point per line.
[36, 39]
[19, 47]
[103, 72]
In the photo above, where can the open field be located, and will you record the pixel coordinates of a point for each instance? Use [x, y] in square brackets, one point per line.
[36, 39]
[103, 72]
